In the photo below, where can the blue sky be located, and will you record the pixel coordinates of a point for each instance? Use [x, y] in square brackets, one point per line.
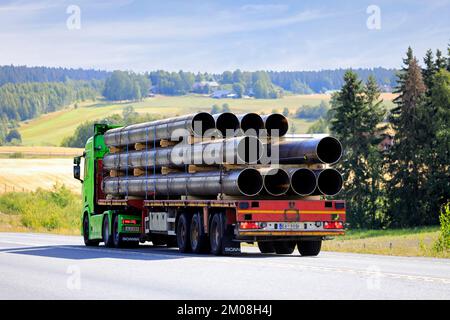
[219, 35]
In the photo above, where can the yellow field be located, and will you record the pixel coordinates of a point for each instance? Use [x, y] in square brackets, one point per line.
[51, 128]
[30, 174]
[40, 151]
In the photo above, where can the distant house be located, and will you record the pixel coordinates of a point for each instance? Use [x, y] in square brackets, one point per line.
[201, 86]
[221, 94]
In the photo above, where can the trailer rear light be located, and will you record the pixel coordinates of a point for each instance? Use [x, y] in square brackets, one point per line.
[250, 225]
[333, 225]
[129, 221]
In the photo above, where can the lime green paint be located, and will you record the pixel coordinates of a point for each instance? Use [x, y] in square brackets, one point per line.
[131, 217]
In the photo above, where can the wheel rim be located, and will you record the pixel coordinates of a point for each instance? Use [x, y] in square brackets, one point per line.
[194, 234]
[182, 233]
[215, 236]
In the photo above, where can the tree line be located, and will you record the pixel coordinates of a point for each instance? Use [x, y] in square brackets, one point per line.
[23, 101]
[20, 74]
[407, 184]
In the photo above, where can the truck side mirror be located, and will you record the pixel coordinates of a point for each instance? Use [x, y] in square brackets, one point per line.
[76, 168]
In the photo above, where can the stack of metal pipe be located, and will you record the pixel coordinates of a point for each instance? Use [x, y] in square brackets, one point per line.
[206, 155]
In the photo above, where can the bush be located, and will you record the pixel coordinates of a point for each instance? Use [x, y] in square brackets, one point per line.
[313, 112]
[443, 242]
[44, 210]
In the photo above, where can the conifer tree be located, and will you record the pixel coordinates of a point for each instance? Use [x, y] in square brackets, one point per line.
[357, 111]
[406, 194]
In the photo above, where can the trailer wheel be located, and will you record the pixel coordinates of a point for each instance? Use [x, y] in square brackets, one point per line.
[183, 227]
[309, 248]
[199, 241]
[216, 234]
[266, 247]
[107, 238]
[118, 243]
[284, 247]
[87, 242]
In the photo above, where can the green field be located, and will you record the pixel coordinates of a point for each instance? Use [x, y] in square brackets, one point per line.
[50, 129]
[398, 242]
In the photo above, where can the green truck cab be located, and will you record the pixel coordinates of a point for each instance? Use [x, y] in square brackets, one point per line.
[98, 224]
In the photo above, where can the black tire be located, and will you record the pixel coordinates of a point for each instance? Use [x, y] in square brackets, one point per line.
[284, 247]
[183, 232]
[309, 248]
[107, 238]
[87, 242]
[216, 234]
[198, 239]
[118, 243]
[266, 247]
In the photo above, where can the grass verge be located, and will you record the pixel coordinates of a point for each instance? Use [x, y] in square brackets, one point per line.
[418, 242]
[51, 211]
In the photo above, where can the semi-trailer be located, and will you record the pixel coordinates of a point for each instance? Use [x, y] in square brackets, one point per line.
[136, 188]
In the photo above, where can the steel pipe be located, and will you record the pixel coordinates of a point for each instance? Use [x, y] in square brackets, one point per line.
[314, 150]
[329, 181]
[239, 150]
[303, 181]
[276, 121]
[171, 129]
[227, 124]
[245, 182]
[276, 181]
[251, 123]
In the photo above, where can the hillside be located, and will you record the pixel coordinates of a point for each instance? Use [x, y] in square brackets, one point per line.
[50, 129]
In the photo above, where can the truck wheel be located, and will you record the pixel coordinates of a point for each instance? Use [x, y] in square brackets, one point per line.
[183, 233]
[107, 238]
[266, 247]
[309, 248]
[216, 234]
[284, 247]
[118, 243]
[87, 242]
[199, 241]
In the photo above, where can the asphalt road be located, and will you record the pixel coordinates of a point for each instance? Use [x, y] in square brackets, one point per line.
[41, 266]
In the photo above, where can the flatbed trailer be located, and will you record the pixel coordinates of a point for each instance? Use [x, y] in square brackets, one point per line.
[217, 226]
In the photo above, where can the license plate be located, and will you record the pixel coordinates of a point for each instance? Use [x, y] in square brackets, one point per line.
[289, 226]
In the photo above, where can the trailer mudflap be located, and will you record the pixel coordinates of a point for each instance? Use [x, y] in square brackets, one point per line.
[228, 245]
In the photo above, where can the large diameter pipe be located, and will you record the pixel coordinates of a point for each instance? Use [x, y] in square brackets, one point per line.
[245, 182]
[227, 124]
[251, 123]
[171, 129]
[329, 181]
[276, 124]
[314, 150]
[303, 181]
[276, 181]
[239, 150]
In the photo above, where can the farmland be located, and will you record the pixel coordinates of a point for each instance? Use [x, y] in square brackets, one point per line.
[50, 129]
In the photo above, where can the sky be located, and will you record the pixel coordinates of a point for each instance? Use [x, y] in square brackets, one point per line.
[213, 36]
